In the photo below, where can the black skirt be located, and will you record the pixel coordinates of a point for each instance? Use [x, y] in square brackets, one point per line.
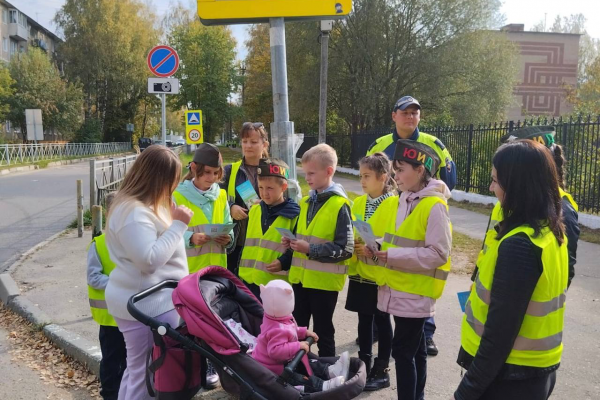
[362, 297]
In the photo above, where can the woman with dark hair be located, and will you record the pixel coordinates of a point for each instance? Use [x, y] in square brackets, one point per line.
[255, 145]
[511, 342]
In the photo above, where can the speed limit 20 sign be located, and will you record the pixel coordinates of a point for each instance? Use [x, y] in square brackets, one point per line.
[193, 127]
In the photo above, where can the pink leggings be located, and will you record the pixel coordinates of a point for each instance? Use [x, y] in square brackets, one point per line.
[138, 340]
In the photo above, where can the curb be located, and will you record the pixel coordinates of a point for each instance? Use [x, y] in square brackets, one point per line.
[81, 349]
[52, 164]
[13, 264]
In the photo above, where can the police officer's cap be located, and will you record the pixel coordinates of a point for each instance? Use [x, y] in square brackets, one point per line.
[404, 102]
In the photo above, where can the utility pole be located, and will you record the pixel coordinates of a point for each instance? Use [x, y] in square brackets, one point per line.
[326, 27]
[282, 130]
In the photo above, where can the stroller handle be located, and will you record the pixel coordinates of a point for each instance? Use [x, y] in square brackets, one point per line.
[140, 316]
[291, 367]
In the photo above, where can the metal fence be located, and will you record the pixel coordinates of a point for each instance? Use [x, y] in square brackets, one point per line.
[12, 154]
[472, 148]
[106, 176]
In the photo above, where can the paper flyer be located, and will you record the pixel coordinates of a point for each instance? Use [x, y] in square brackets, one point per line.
[214, 230]
[248, 194]
[366, 233]
[286, 233]
[462, 299]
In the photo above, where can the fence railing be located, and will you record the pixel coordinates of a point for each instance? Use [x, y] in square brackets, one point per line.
[473, 146]
[106, 176]
[11, 154]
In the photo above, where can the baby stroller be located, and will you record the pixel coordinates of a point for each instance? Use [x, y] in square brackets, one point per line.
[205, 300]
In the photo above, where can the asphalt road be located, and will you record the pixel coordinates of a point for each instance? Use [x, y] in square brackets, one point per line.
[35, 205]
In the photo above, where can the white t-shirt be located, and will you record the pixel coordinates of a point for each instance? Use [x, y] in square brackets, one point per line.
[146, 251]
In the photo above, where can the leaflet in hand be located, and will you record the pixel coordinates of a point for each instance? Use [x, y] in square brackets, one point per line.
[214, 230]
[286, 233]
[365, 231]
[248, 194]
[462, 299]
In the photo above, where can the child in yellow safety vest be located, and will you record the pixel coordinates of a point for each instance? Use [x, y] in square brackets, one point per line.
[112, 343]
[264, 257]
[375, 207]
[323, 243]
[416, 254]
[201, 193]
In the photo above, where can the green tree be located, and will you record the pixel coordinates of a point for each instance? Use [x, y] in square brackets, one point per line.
[38, 84]
[105, 48]
[207, 74]
[6, 91]
[257, 96]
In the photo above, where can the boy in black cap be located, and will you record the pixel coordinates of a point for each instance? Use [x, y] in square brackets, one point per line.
[264, 258]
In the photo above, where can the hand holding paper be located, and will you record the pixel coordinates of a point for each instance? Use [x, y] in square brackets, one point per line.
[286, 233]
[365, 231]
[248, 194]
[214, 230]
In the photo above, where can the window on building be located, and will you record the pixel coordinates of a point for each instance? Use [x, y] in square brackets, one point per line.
[12, 16]
[13, 47]
[5, 16]
[5, 44]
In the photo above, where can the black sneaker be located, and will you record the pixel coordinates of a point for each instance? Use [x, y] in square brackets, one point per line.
[432, 349]
[212, 377]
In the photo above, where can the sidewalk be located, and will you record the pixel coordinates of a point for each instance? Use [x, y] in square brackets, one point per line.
[54, 279]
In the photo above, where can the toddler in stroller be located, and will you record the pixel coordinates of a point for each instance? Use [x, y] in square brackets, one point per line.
[214, 300]
[278, 343]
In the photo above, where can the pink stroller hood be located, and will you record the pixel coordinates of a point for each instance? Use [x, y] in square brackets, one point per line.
[201, 321]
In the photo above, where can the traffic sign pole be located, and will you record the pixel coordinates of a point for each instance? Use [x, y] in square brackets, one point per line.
[163, 97]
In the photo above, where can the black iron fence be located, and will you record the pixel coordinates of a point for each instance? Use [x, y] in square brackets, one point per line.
[472, 148]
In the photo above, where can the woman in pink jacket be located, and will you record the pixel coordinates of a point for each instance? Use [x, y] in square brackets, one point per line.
[279, 341]
[416, 251]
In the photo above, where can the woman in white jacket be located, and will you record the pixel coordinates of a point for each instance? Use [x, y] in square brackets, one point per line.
[145, 239]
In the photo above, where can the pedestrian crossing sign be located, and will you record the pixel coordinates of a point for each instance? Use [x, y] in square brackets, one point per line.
[193, 118]
[194, 133]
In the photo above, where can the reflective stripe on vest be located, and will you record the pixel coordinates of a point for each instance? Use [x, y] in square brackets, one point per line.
[96, 296]
[261, 250]
[235, 167]
[210, 253]
[412, 233]
[366, 267]
[314, 274]
[539, 342]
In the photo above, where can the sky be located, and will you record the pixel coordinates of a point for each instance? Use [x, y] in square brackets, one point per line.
[527, 12]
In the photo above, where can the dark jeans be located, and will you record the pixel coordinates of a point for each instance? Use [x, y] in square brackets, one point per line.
[383, 322]
[233, 260]
[429, 328]
[113, 363]
[410, 353]
[527, 389]
[320, 305]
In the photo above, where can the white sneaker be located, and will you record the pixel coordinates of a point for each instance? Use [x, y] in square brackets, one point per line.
[341, 367]
[333, 383]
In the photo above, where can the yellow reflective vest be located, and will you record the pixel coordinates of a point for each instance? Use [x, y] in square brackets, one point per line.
[235, 167]
[412, 233]
[539, 342]
[211, 253]
[496, 217]
[96, 296]
[385, 141]
[261, 250]
[364, 266]
[311, 273]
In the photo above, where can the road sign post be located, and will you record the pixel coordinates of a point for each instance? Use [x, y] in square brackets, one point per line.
[163, 62]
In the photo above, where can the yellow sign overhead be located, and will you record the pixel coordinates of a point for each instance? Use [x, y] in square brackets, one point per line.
[223, 12]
